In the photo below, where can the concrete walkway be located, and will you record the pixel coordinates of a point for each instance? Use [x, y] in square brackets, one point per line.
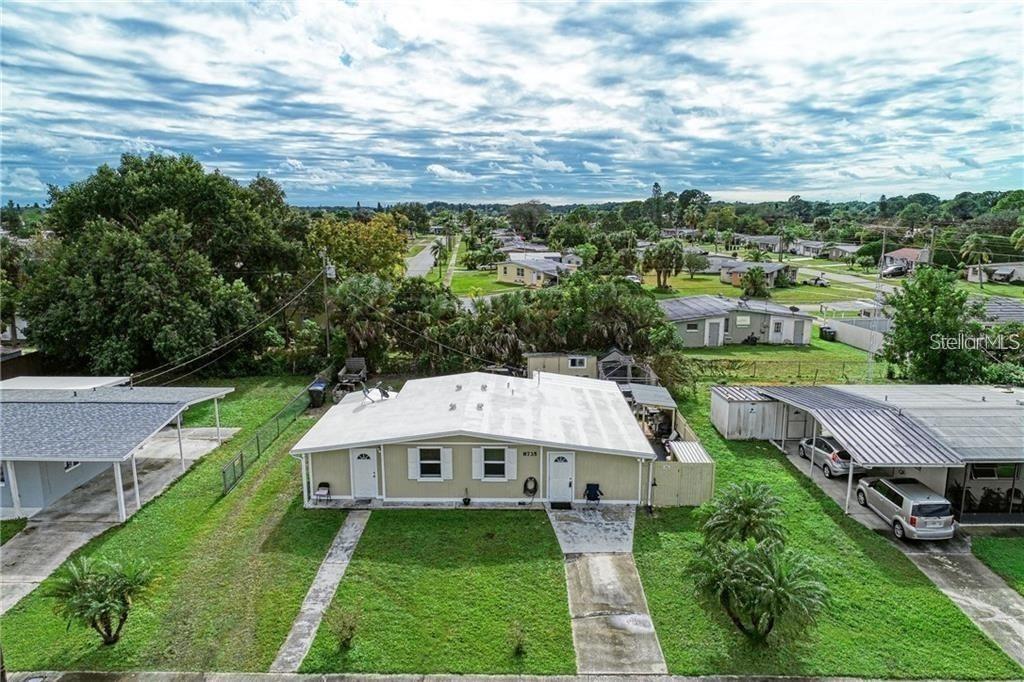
[983, 596]
[363, 677]
[612, 630]
[52, 535]
[320, 594]
[453, 262]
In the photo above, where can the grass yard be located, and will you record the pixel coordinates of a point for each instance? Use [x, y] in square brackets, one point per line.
[437, 591]
[682, 285]
[10, 527]
[1004, 555]
[993, 289]
[474, 282]
[232, 571]
[886, 619]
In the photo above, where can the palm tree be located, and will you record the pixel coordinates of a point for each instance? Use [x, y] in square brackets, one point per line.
[756, 255]
[439, 250]
[754, 283]
[100, 594]
[744, 511]
[975, 251]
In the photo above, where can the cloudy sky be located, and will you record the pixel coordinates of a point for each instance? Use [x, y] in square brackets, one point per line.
[492, 101]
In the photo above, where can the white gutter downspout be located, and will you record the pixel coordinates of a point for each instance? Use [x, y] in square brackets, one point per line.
[639, 480]
[650, 483]
[383, 476]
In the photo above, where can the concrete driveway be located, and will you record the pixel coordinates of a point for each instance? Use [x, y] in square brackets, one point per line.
[51, 536]
[982, 595]
[612, 630]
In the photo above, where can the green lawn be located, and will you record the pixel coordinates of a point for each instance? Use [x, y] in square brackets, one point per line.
[10, 527]
[886, 619]
[1004, 555]
[232, 571]
[437, 591]
[683, 285]
[416, 246]
[993, 289]
[470, 282]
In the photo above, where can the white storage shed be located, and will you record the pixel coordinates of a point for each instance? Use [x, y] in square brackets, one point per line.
[744, 413]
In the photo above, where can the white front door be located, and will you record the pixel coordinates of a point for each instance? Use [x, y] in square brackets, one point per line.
[364, 473]
[561, 467]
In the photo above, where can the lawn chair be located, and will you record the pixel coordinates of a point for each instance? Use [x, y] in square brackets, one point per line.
[322, 493]
[592, 494]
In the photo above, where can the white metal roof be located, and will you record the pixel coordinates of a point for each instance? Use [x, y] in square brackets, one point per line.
[61, 383]
[645, 394]
[689, 451]
[547, 409]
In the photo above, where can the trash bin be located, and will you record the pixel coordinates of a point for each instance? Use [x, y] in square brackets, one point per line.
[316, 392]
[828, 333]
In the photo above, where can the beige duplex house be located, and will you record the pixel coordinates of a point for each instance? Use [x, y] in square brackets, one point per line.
[479, 438]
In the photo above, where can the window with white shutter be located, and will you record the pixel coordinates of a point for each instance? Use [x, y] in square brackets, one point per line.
[511, 460]
[446, 464]
[478, 463]
[429, 463]
[494, 464]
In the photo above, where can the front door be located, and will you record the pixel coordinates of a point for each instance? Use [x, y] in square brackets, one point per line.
[715, 333]
[364, 473]
[560, 475]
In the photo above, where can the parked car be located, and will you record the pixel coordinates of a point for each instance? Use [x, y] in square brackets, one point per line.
[835, 461]
[894, 270]
[636, 279]
[913, 510]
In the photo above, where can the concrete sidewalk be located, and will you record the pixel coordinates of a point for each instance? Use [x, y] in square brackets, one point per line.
[361, 677]
[52, 535]
[320, 593]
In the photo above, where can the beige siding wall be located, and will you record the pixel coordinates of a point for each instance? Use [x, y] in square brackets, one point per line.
[618, 476]
[508, 272]
[682, 484]
[560, 365]
[333, 468]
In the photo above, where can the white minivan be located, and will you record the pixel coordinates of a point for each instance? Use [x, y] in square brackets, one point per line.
[913, 510]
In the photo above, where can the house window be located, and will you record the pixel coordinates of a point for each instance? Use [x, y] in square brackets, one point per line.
[692, 326]
[494, 463]
[68, 466]
[725, 328]
[504, 270]
[577, 362]
[777, 327]
[981, 472]
[520, 272]
[430, 462]
[743, 320]
[3, 475]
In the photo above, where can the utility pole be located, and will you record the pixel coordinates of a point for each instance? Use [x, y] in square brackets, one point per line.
[328, 273]
[931, 247]
[879, 301]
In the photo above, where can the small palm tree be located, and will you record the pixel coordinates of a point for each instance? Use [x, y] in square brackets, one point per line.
[754, 283]
[744, 511]
[100, 594]
[975, 251]
[756, 256]
[439, 250]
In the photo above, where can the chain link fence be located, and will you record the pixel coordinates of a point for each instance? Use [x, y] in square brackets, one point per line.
[263, 438]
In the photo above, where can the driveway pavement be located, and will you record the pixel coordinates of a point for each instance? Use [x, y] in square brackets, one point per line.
[50, 536]
[981, 594]
[612, 630]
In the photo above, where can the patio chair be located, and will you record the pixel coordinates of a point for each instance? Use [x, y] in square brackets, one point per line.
[322, 493]
[592, 494]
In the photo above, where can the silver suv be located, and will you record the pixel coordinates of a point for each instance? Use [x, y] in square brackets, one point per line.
[834, 460]
[913, 510]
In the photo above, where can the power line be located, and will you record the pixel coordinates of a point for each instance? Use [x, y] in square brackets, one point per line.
[151, 375]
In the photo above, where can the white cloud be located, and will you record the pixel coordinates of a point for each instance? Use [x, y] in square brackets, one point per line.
[446, 173]
[22, 180]
[549, 164]
[592, 167]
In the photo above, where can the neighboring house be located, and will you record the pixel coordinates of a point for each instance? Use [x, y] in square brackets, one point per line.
[613, 365]
[678, 232]
[965, 442]
[768, 242]
[535, 255]
[537, 272]
[476, 438]
[571, 259]
[841, 251]
[731, 272]
[996, 272]
[569, 364]
[807, 247]
[519, 245]
[64, 431]
[703, 321]
[907, 257]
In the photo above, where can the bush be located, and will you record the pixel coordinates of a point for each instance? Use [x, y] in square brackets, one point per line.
[1004, 373]
[343, 623]
[100, 594]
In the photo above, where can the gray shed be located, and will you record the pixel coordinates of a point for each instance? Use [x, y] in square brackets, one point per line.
[744, 413]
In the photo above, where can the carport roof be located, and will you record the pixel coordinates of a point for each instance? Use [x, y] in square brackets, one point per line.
[103, 424]
[874, 432]
[645, 394]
